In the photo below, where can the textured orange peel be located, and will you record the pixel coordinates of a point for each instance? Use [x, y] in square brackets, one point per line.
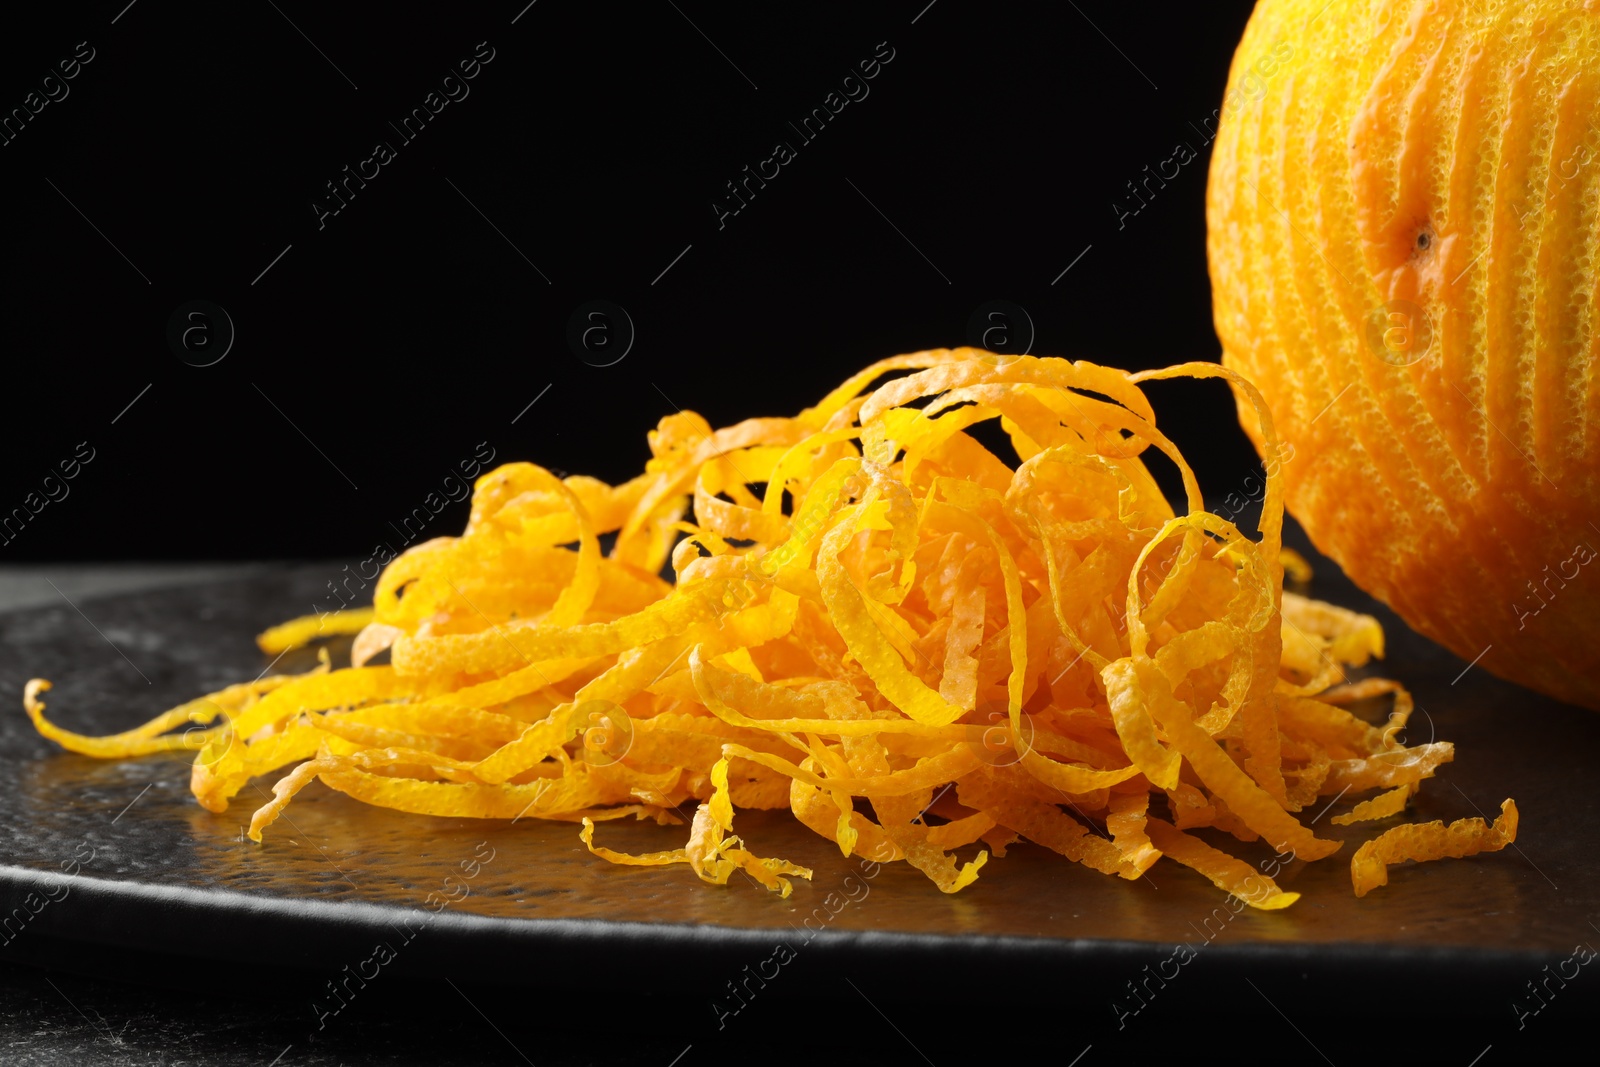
[868, 606]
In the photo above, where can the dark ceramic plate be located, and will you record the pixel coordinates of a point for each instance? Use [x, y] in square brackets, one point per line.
[118, 855]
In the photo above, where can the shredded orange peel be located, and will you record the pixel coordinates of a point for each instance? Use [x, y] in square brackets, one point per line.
[1369, 868]
[868, 605]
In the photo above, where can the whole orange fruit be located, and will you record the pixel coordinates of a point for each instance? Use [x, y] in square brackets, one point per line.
[1405, 257]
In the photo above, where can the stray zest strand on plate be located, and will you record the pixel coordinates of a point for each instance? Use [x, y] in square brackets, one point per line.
[868, 605]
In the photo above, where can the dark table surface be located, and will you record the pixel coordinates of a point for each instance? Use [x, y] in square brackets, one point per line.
[178, 943]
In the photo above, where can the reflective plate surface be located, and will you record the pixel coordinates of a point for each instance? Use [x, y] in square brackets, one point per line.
[119, 854]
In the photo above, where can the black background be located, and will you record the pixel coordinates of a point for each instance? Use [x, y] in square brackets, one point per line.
[386, 344]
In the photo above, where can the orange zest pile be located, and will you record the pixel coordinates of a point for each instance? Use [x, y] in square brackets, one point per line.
[869, 605]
